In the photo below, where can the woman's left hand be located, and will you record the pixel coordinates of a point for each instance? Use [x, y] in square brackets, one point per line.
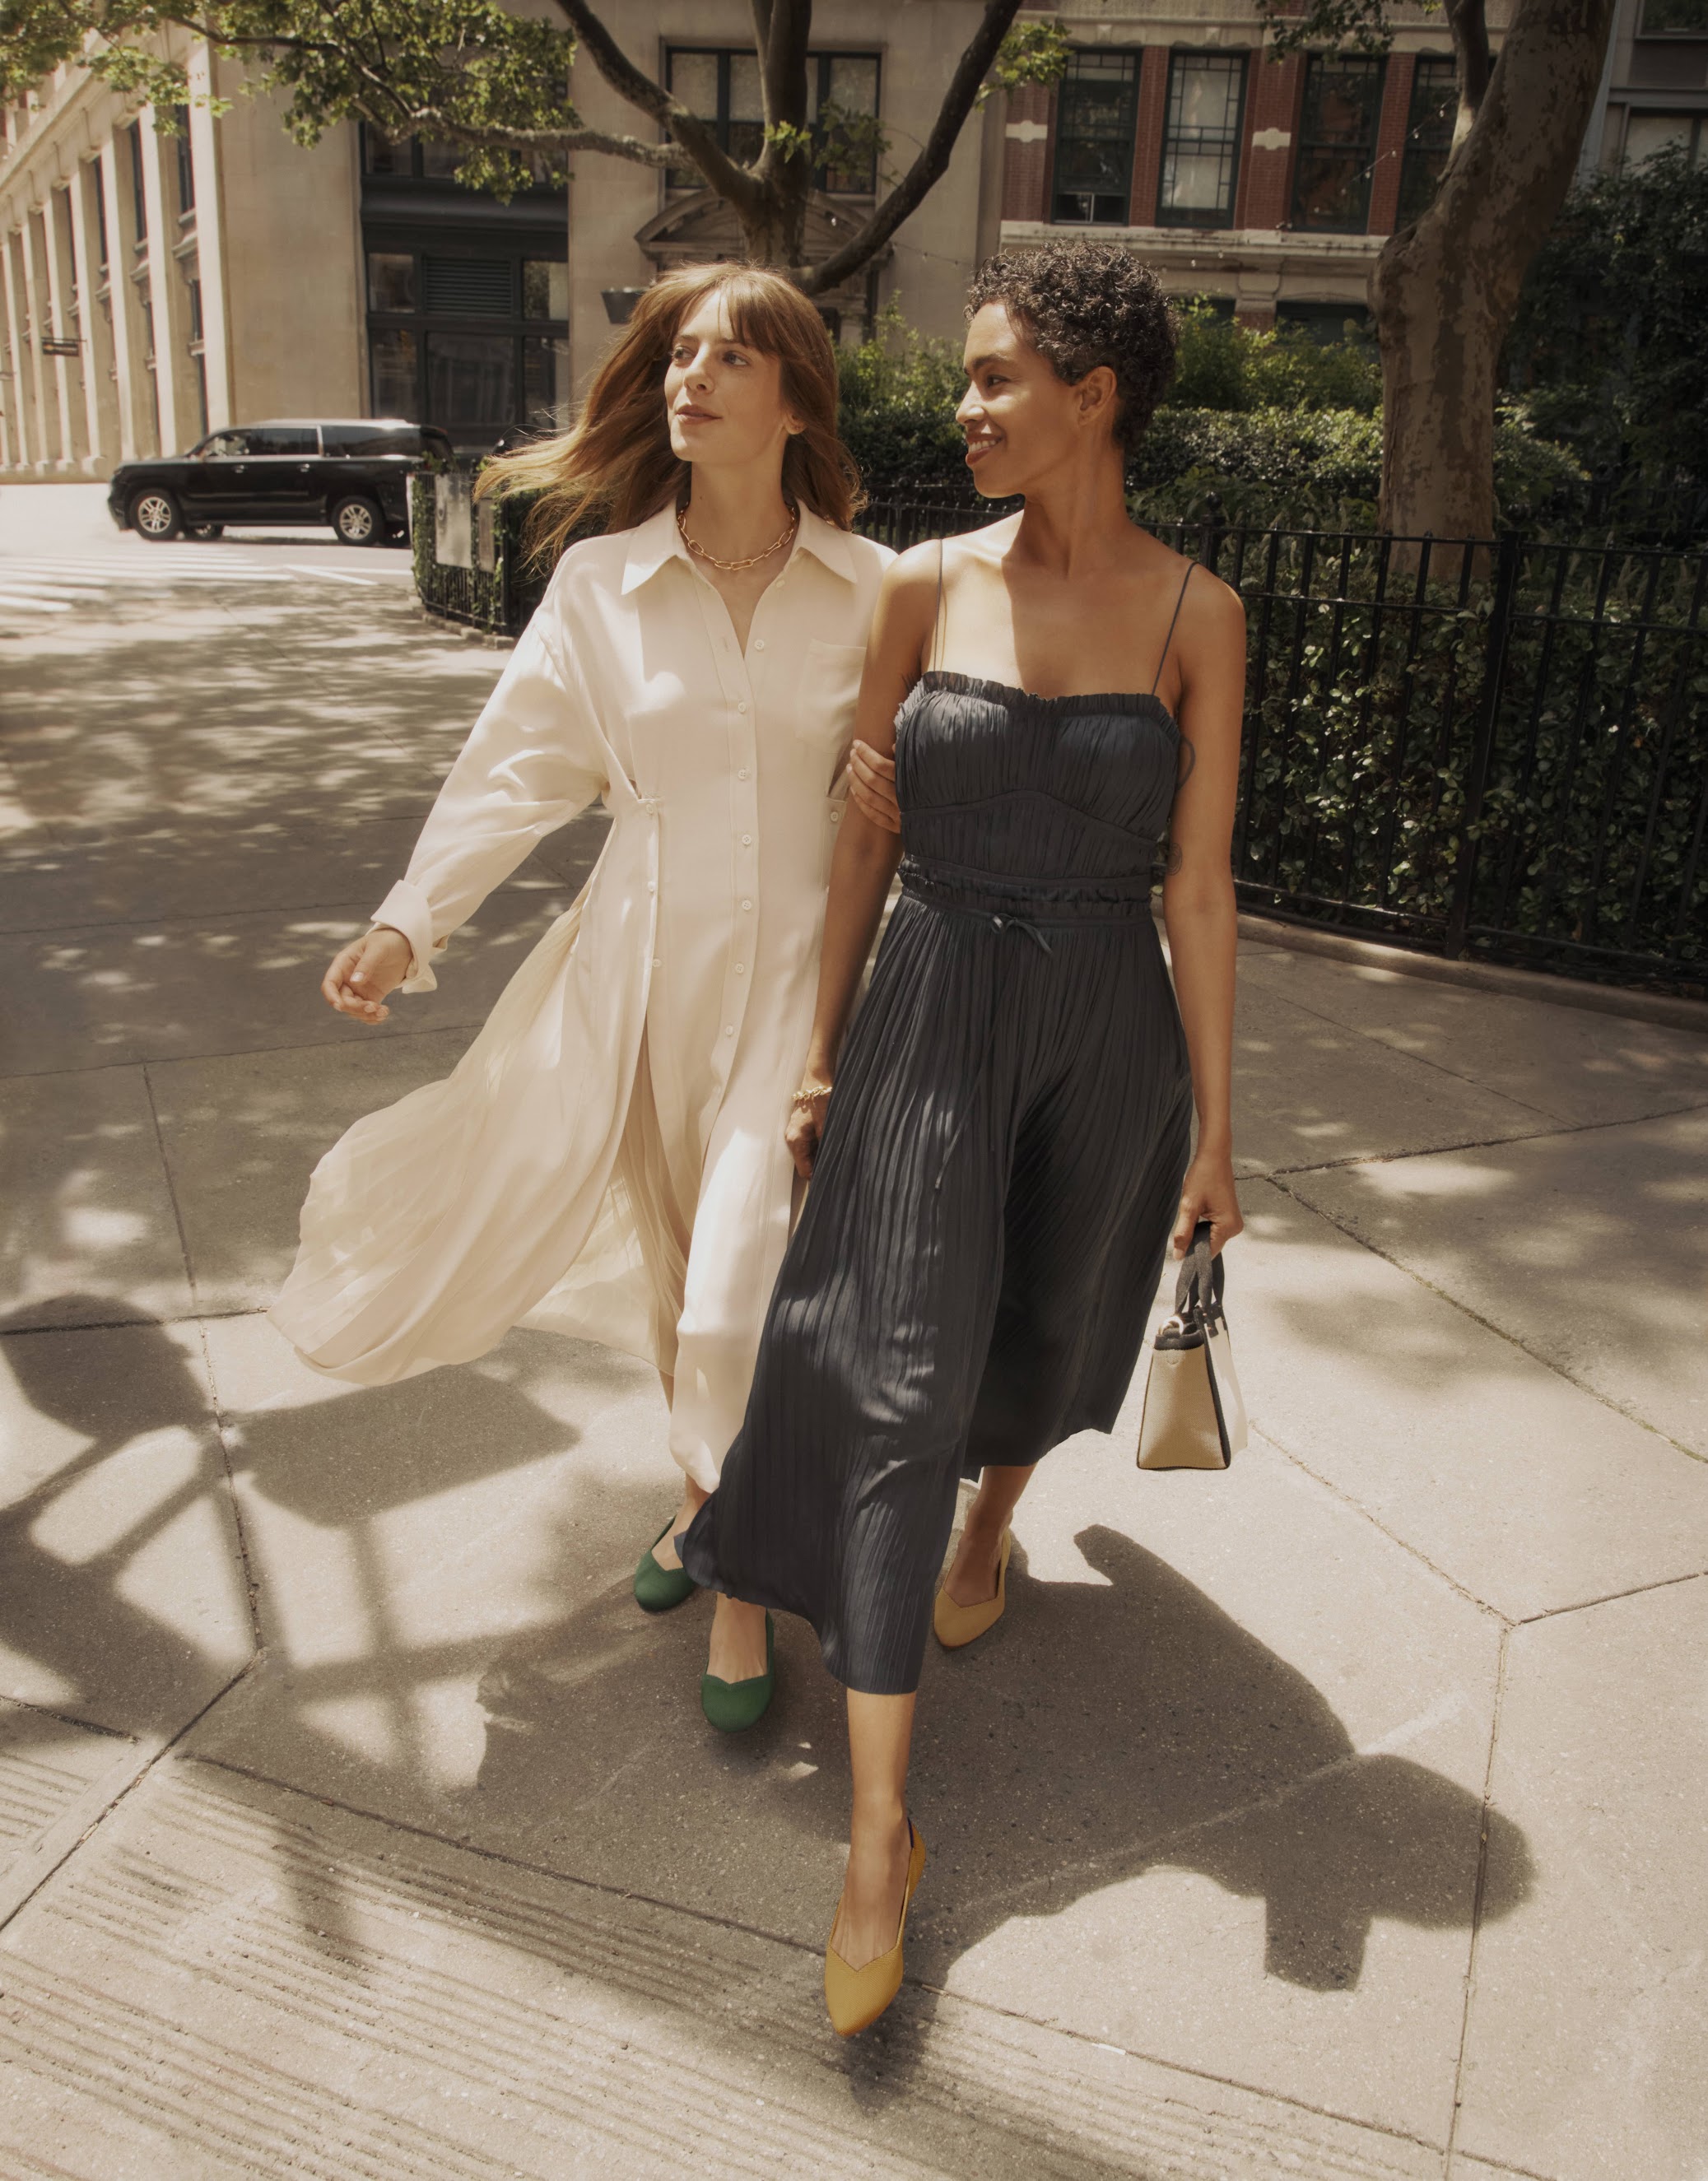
[1207, 1192]
[871, 781]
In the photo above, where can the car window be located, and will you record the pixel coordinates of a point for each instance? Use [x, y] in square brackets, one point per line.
[363, 441]
[223, 445]
[284, 440]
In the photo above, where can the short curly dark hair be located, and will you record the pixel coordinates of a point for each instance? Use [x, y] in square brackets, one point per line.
[1080, 304]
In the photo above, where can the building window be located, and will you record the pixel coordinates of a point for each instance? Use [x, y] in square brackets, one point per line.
[390, 280]
[1674, 18]
[1337, 143]
[468, 287]
[139, 199]
[1201, 140]
[187, 165]
[1429, 121]
[395, 373]
[721, 84]
[545, 382]
[1646, 134]
[197, 333]
[545, 288]
[1097, 108]
[1326, 323]
[471, 383]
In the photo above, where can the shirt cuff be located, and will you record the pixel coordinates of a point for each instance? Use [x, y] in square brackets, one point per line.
[405, 910]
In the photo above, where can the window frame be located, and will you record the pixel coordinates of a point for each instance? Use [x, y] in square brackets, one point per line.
[1134, 57]
[423, 326]
[1374, 69]
[1414, 152]
[721, 122]
[1169, 215]
[1697, 31]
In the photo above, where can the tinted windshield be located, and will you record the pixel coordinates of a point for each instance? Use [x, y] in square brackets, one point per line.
[223, 445]
[283, 439]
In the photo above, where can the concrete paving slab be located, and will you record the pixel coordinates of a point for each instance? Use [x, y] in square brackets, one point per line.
[89, 1235]
[1527, 1491]
[1573, 1065]
[1307, 1092]
[243, 1133]
[245, 982]
[304, 1989]
[54, 1778]
[1594, 1253]
[1589, 2015]
[1196, 1761]
[123, 1601]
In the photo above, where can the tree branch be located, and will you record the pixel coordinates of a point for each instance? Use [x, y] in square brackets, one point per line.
[933, 160]
[1469, 21]
[635, 86]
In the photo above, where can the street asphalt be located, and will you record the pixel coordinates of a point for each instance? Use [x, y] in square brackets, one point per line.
[1341, 1817]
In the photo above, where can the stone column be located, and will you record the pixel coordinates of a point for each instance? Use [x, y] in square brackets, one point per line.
[48, 449]
[100, 390]
[19, 425]
[131, 379]
[210, 241]
[64, 324]
[164, 286]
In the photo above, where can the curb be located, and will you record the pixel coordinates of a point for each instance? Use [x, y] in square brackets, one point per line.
[1666, 1007]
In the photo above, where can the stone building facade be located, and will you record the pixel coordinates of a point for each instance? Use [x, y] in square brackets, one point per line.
[155, 285]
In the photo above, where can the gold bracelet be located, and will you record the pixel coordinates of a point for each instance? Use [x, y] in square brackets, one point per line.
[806, 1096]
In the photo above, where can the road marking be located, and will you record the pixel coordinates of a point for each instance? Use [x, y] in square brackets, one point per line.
[334, 576]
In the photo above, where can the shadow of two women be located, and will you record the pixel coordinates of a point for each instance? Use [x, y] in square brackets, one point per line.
[1106, 1729]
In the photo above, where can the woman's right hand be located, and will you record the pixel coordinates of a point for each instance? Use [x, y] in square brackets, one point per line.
[363, 974]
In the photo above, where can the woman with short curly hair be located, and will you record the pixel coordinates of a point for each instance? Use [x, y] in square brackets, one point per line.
[1008, 1151]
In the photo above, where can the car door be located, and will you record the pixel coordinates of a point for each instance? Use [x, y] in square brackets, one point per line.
[284, 469]
[215, 480]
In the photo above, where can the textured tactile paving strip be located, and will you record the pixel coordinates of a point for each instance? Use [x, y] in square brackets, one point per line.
[232, 1979]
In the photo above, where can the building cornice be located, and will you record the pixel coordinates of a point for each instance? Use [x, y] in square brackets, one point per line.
[1218, 249]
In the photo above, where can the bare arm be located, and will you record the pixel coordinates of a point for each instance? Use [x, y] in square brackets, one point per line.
[1198, 904]
[867, 852]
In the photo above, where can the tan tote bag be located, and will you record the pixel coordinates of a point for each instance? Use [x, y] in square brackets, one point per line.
[1193, 1417]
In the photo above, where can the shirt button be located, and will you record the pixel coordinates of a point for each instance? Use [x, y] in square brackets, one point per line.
[747, 840]
[747, 904]
[740, 970]
[759, 644]
[658, 961]
[729, 1030]
[742, 707]
[652, 886]
[835, 817]
[742, 774]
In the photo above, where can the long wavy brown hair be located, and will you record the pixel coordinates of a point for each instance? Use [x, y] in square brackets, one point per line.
[615, 465]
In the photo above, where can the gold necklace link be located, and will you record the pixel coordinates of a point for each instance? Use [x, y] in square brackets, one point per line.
[753, 560]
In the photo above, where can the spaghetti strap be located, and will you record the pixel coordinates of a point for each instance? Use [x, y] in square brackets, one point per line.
[1169, 637]
[937, 649]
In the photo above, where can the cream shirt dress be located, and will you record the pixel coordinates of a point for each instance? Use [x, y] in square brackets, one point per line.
[607, 1160]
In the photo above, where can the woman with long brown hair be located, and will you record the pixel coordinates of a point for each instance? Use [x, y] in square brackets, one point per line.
[608, 1159]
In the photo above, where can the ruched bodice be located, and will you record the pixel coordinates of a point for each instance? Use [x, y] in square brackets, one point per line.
[992, 779]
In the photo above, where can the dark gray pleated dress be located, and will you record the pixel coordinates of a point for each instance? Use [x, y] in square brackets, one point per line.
[1001, 1164]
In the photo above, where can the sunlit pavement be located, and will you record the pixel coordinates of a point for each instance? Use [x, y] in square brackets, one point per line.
[1340, 1816]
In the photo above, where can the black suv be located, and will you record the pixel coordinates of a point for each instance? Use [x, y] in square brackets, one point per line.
[351, 475]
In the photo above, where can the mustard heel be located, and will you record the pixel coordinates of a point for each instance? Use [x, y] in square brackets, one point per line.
[856, 1998]
[954, 1625]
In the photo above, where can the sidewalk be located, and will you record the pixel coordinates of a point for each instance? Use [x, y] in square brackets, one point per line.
[1339, 1817]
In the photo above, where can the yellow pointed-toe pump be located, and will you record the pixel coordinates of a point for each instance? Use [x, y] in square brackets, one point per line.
[856, 1998]
[954, 1625]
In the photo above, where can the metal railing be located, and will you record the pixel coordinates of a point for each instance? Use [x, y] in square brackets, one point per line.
[1493, 747]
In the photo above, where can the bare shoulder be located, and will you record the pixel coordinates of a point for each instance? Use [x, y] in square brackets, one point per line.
[1211, 610]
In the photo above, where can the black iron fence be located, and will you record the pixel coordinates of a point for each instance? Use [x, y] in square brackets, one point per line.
[1478, 747]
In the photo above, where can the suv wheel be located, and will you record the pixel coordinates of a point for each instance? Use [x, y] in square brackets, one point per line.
[154, 515]
[358, 522]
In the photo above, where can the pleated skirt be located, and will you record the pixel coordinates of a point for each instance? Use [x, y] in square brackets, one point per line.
[972, 1272]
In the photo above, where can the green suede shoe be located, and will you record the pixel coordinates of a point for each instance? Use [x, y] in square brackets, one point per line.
[733, 1706]
[658, 1590]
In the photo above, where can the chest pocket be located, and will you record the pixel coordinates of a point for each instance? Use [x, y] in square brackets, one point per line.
[830, 686]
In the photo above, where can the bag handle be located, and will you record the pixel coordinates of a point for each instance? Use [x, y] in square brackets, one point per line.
[1199, 1285]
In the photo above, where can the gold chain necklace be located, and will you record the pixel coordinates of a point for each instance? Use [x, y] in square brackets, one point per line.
[753, 560]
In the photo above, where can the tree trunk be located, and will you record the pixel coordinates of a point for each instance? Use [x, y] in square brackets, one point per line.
[1443, 291]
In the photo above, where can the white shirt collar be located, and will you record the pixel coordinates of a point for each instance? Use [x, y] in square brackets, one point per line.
[657, 540]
